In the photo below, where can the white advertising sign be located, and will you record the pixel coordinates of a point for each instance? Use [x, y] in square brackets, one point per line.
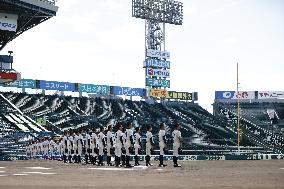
[158, 54]
[8, 22]
[233, 95]
[157, 72]
[270, 94]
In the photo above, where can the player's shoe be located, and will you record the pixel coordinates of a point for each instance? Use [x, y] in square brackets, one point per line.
[137, 164]
[149, 164]
[162, 165]
[129, 166]
[177, 165]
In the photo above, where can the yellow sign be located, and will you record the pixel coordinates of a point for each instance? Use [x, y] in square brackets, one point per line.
[158, 93]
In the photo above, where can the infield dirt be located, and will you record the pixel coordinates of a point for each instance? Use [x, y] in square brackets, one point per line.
[41, 174]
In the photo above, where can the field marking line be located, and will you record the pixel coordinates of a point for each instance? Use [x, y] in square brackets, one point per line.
[2, 171]
[282, 168]
[48, 173]
[137, 168]
[2, 167]
[31, 172]
[40, 168]
[3, 175]
[20, 174]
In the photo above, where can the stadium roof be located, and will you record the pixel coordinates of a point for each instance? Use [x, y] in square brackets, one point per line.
[26, 14]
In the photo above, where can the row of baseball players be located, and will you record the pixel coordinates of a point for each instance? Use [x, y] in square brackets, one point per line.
[93, 145]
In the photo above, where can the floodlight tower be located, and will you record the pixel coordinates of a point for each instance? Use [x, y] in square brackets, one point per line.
[156, 14]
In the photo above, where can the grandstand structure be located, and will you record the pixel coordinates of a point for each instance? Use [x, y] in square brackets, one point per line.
[203, 132]
[262, 116]
[17, 17]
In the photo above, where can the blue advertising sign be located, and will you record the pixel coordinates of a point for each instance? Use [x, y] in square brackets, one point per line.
[128, 91]
[55, 85]
[99, 89]
[157, 63]
[24, 83]
[157, 82]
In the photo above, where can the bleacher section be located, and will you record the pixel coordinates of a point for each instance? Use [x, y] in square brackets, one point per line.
[16, 128]
[201, 130]
[256, 123]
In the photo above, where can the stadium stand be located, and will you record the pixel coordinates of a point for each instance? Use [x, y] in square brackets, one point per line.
[261, 121]
[201, 130]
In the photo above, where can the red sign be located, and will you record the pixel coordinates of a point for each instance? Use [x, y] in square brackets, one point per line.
[4, 75]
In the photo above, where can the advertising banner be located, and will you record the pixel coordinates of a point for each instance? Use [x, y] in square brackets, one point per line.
[5, 75]
[270, 94]
[157, 72]
[24, 83]
[233, 95]
[179, 95]
[158, 54]
[157, 63]
[158, 93]
[8, 22]
[128, 91]
[55, 85]
[158, 82]
[98, 89]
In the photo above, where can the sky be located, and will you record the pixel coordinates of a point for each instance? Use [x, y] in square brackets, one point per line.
[99, 42]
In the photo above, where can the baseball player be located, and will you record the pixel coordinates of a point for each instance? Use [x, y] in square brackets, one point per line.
[137, 145]
[123, 151]
[45, 146]
[177, 144]
[128, 143]
[65, 144]
[101, 141]
[34, 149]
[79, 143]
[88, 141]
[70, 147]
[118, 144]
[149, 145]
[51, 148]
[94, 147]
[75, 147]
[109, 145]
[28, 150]
[162, 141]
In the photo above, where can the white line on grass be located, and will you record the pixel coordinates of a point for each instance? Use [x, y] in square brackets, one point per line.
[3, 175]
[281, 168]
[2, 171]
[2, 167]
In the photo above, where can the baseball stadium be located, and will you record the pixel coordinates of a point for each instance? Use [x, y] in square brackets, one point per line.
[140, 125]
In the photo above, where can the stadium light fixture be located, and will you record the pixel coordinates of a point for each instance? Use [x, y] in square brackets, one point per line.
[162, 11]
[157, 13]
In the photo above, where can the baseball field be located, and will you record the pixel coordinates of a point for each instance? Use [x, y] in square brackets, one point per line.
[37, 174]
